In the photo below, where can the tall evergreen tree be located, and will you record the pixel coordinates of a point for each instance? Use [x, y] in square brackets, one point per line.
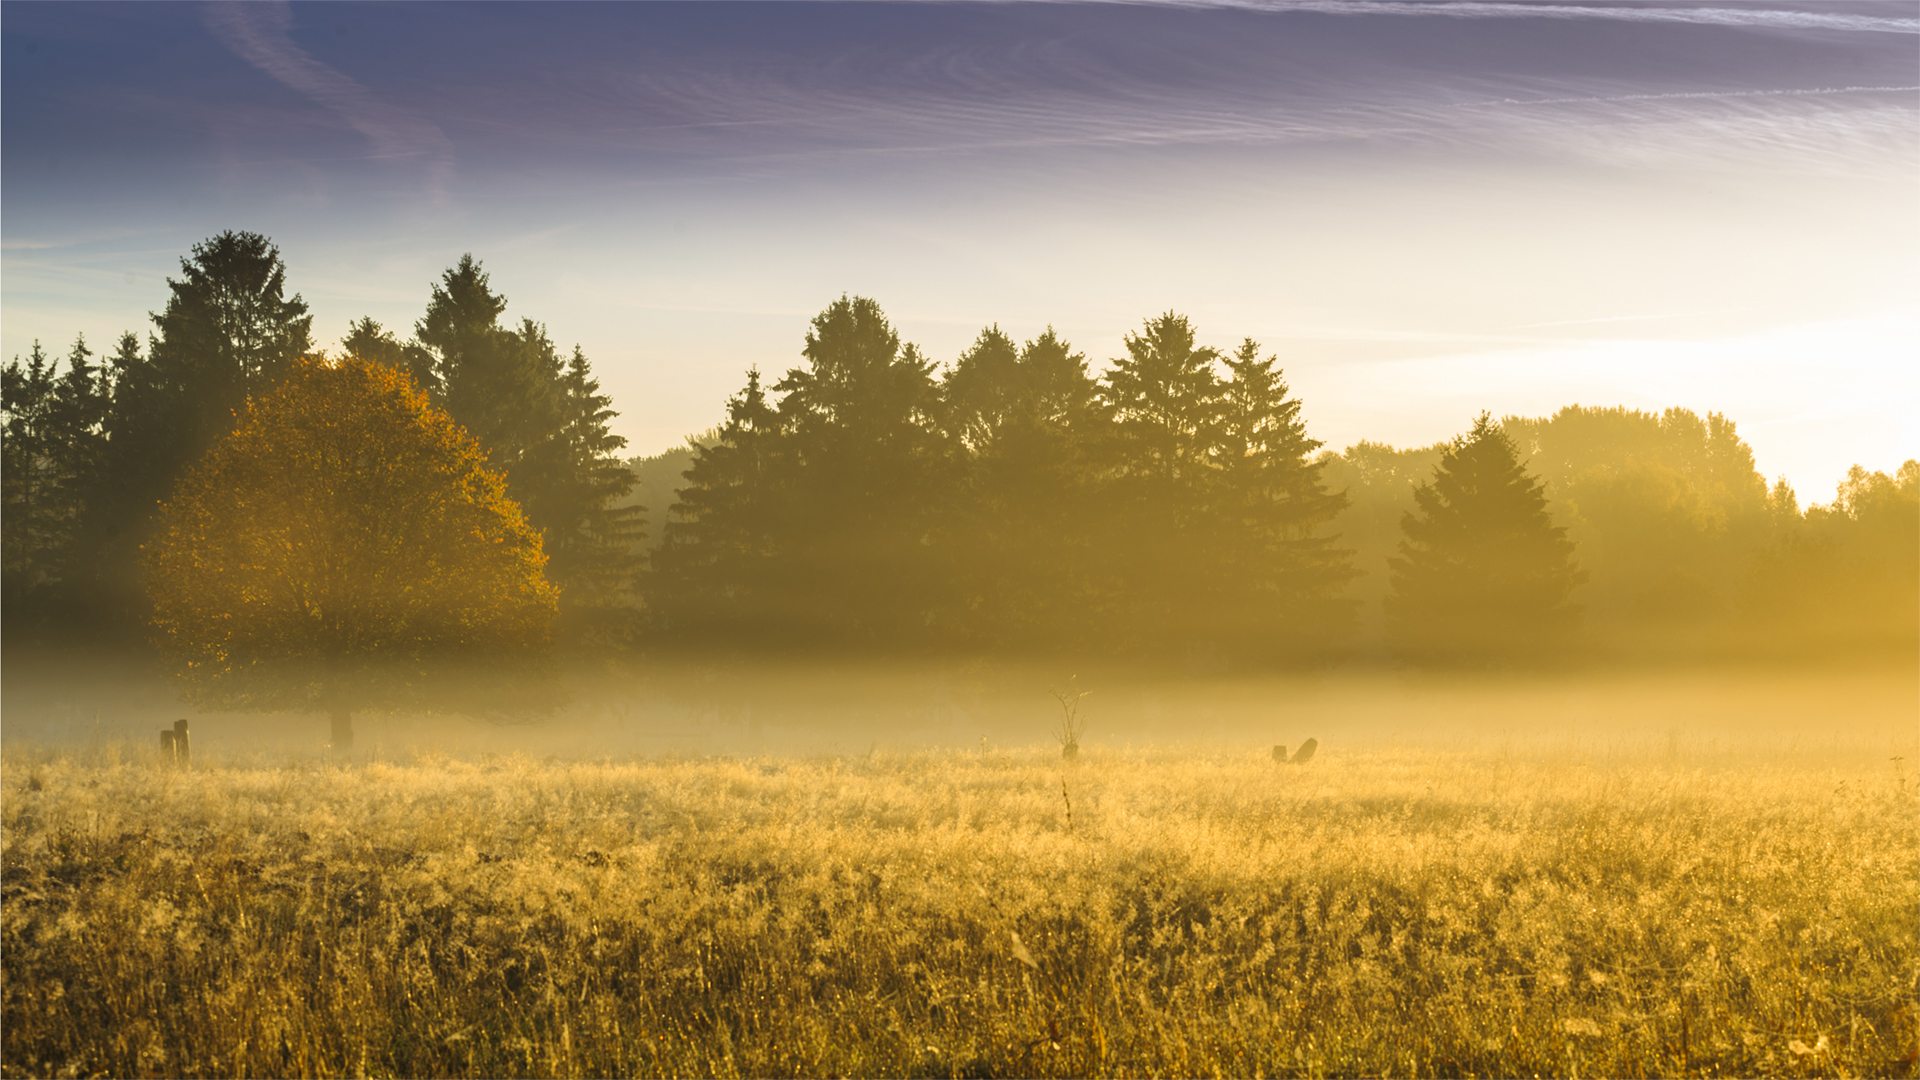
[867, 463]
[492, 378]
[1483, 574]
[593, 539]
[369, 340]
[543, 420]
[1159, 458]
[1024, 421]
[714, 573]
[1165, 398]
[27, 474]
[1281, 571]
[228, 330]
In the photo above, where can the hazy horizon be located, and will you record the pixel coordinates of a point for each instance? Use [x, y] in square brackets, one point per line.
[1425, 210]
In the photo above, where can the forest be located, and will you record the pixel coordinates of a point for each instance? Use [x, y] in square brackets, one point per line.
[1169, 507]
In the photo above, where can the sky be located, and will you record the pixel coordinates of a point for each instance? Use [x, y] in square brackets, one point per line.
[1426, 208]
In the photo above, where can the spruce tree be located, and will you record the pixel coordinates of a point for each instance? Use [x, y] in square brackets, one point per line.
[1165, 399]
[1281, 569]
[1155, 559]
[27, 474]
[1483, 574]
[369, 340]
[543, 420]
[228, 330]
[713, 575]
[1024, 420]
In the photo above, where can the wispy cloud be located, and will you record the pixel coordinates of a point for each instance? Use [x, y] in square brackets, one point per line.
[261, 34]
[1744, 16]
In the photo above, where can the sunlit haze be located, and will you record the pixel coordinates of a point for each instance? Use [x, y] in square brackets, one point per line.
[1427, 209]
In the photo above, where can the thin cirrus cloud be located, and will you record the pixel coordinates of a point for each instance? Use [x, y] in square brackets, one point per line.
[261, 34]
[1745, 16]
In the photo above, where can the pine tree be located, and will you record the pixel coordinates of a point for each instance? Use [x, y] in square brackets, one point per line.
[1016, 535]
[1281, 571]
[495, 382]
[229, 330]
[1165, 399]
[713, 575]
[369, 340]
[594, 541]
[1483, 574]
[1158, 472]
[543, 420]
[867, 475]
[27, 470]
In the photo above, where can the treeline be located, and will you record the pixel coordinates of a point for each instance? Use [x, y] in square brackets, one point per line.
[92, 446]
[1171, 509]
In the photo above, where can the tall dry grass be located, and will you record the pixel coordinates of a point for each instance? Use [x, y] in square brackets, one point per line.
[964, 914]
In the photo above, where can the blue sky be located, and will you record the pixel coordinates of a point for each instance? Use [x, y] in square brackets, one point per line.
[1427, 208]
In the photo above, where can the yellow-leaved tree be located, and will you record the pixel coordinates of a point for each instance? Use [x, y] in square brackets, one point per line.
[345, 546]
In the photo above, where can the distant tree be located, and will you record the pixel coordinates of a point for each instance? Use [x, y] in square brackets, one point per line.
[497, 384]
[982, 393]
[545, 422]
[1025, 422]
[593, 536]
[714, 574]
[338, 547]
[1158, 468]
[54, 436]
[1841, 580]
[867, 472]
[228, 330]
[369, 340]
[27, 473]
[1483, 573]
[1165, 400]
[1280, 571]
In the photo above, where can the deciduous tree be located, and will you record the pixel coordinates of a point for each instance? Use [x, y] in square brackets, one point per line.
[337, 548]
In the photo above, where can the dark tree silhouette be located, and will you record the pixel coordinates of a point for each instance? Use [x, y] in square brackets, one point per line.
[1280, 571]
[1483, 572]
[712, 575]
[228, 330]
[867, 475]
[369, 340]
[543, 420]
[1025, 422]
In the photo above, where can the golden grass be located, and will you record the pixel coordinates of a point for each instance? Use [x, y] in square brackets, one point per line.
[1147, 912]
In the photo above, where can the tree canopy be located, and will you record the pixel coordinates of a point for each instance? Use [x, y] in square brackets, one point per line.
[342, 543]
[1483, 572]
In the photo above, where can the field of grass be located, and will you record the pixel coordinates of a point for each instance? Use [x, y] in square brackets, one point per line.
[1381, 910]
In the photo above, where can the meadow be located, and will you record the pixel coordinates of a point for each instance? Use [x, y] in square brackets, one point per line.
[1487, 908]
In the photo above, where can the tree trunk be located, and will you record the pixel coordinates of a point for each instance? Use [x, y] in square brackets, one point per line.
[342, 729]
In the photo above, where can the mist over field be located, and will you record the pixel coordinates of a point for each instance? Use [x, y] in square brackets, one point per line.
[1295, 538]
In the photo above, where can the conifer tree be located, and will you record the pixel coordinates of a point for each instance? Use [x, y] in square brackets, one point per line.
[1483, 573]
[1281, 569]
[228, 330]
[1024, 421]
[866, 470]
[713, 572]
[544, 421]
[369, 340]
[1165, 399]
[1159, 463]
[27, 471]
